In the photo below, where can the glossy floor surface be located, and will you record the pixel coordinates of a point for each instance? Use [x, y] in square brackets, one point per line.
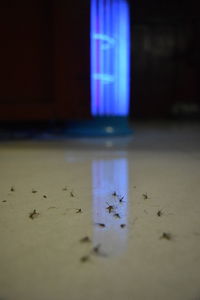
[102, 219]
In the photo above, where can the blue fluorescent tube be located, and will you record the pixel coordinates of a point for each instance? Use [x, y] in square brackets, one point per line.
[110, 57]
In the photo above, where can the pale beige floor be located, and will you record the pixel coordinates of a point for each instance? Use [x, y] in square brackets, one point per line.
[40, 258]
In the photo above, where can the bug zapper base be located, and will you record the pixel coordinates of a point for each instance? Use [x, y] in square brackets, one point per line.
[100, 127]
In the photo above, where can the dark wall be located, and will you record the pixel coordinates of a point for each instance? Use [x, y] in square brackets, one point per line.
[72, 58]
[26, 51]
[165, 58]
[45, 59]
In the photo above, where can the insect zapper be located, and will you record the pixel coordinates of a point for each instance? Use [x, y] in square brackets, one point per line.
[109, 68]
[110, 64]
[110, 58]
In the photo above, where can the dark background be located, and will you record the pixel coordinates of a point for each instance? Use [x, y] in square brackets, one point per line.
[165, 58]
[45, 59]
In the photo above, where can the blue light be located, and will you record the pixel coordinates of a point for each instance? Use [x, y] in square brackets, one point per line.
[109, 175]
[105, 78]
[110, 57]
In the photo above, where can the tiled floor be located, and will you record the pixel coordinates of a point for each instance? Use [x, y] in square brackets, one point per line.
[41, 255]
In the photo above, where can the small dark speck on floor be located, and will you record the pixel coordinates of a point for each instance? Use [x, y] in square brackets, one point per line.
[96, 249]
[110, 208]
[85, 258]
[121, 199]
[101, 224]
[85, 239]
[159, 213]
[145, 196]
[123, 225]
[166, 236]
[34, 214]
[117, 216]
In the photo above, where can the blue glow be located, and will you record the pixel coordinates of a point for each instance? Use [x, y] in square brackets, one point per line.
[105, 78]
[110, 57]
[107, 42]
[109, 175]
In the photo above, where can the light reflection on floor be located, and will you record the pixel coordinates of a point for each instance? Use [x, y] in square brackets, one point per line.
[110, 176]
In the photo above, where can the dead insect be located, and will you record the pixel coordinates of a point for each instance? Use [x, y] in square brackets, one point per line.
[110, 208]
[159, 213]
[114, 194]
[12, 189]
[96, 249]
[4, 200]
[117, 216]
[44, 196]
[65, 188]
[33, 214]
[33, 191]
[166, 236]
[123, 225]
[145, 196]
[121, 199]
[78, 210]
[85, 258]
[71, 194]
[85, 239]
[101, 224]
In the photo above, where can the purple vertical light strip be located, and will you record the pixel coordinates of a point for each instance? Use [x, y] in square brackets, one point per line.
[118, 75]
[92, 55]
[103, 56]
[106, 51]
[110, 54]
[98, 58]
[127, 34]
[100, 71]
[128, 57]
[123, 59]
[113, 56]
[116, 84]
